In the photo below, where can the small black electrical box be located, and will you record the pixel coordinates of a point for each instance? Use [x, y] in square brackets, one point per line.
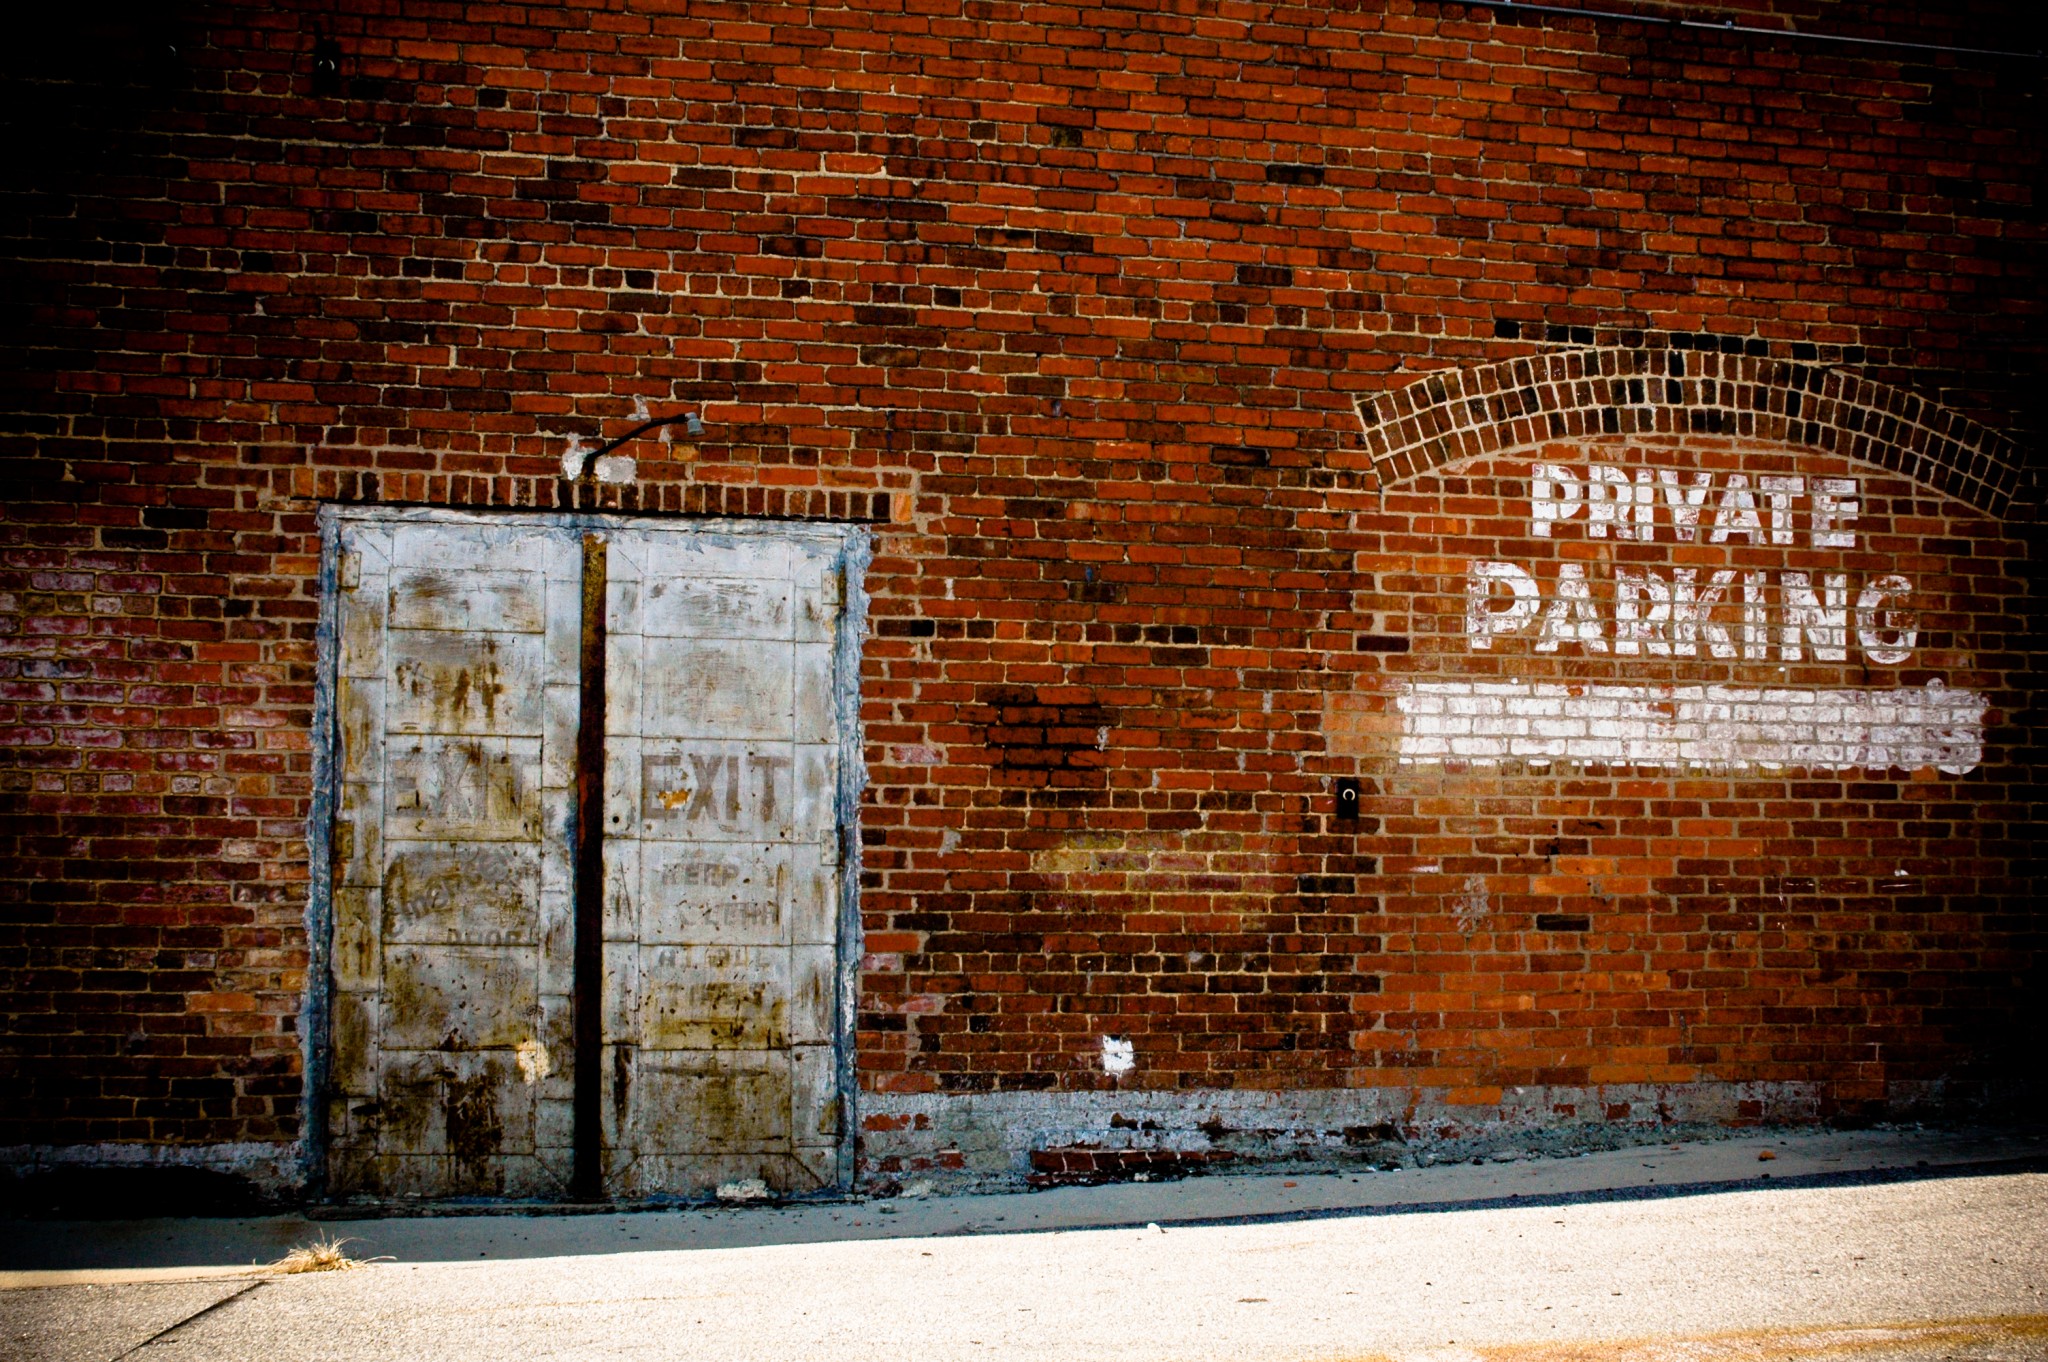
[326, 66]
[1347, 799]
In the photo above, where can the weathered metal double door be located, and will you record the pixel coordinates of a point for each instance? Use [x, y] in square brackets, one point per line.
[464, 682]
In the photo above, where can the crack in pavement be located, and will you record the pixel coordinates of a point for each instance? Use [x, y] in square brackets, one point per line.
[172, 1328]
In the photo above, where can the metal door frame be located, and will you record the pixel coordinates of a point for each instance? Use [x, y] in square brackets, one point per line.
[315, 1009]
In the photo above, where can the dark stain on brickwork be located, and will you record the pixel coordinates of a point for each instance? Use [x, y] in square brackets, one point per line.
[1265, 276]
[1044, 736]
[1278, 173]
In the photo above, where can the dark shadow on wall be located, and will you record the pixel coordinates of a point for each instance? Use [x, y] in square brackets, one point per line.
[117, 1193]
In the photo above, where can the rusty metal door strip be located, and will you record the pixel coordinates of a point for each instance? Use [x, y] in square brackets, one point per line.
[586, 923]
[586, 1182]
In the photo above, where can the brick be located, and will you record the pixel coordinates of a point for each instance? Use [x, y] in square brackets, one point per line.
[1182, 383]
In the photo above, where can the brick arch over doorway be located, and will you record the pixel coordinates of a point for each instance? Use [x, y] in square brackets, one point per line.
[1676, 385]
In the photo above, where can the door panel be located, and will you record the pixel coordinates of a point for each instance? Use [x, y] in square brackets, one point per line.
[721, 852]
[451, 914]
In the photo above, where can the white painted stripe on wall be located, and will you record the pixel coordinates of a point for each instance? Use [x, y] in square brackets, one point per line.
[1721, 728]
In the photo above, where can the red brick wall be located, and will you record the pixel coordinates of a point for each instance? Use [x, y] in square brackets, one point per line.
[1078, 306]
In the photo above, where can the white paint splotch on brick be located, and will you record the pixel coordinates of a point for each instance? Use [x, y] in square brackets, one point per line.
[1712, 727]
[1119, 1056]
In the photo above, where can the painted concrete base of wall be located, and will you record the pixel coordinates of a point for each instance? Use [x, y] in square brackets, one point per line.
[987, 1141]
[958, 1142]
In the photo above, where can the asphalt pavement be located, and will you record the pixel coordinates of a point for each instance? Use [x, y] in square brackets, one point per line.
[1905, 1246]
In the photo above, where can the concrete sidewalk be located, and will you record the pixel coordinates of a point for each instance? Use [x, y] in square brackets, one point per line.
[1917, 1244]
[47, 1253]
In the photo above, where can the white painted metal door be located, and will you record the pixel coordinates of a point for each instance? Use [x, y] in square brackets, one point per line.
[722, 862]
[457, 731]
[728, 703]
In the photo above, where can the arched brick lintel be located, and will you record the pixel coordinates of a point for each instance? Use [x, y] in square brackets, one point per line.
[1611, 390]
